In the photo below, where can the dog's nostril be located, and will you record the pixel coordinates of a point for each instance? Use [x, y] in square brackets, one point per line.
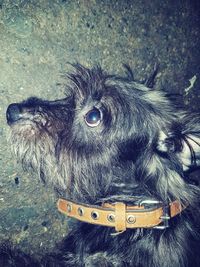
[13, 113]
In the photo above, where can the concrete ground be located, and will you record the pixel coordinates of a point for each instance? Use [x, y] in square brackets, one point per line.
[39, 38]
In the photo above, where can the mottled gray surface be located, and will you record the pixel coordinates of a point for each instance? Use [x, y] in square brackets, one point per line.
[38, 38]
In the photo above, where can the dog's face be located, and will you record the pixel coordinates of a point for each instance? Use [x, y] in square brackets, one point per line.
[105, 134]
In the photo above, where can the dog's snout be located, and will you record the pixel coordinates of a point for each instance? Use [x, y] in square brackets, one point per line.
[13, 113]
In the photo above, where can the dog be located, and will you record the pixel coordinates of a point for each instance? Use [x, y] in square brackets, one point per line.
[119, 152]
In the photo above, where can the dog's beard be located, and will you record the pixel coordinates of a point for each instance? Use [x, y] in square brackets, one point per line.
[35, 150]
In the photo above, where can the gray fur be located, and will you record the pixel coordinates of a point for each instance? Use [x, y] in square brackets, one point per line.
[138, 150]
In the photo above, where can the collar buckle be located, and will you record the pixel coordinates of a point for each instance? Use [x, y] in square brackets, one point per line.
[166, 212]
[165, 219]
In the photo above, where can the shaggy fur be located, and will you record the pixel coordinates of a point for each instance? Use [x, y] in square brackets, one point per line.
[112, 139]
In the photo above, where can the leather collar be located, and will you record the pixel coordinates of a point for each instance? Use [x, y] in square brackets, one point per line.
[120, 216]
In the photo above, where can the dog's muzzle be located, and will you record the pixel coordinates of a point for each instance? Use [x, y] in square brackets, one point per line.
[122, 217]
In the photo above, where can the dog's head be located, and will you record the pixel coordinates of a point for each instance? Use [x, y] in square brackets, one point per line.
[110, 137]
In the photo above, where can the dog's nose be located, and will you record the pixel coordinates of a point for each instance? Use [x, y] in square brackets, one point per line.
[13, 113]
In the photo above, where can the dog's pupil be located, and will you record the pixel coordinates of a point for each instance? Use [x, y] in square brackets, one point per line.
[93, 117]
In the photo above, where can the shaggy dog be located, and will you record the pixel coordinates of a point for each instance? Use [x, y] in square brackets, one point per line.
[118, 151]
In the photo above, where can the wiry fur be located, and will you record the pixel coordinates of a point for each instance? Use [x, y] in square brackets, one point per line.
[139, 151]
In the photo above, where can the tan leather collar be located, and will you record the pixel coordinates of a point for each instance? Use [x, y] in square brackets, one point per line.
[119, 215]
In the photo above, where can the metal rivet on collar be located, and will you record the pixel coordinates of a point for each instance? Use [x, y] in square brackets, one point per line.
[111, 217]
[95, 215]
[69, 207]
[131, 219]
[80, 212]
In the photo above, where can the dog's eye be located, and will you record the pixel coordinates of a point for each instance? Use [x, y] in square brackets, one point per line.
[93, 117]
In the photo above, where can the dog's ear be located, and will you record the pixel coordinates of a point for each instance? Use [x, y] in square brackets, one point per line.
[183, 139]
